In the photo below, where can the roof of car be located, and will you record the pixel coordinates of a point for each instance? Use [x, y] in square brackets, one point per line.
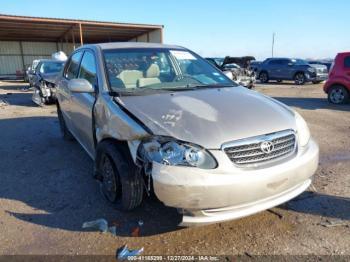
[123, 45]
[49, 60]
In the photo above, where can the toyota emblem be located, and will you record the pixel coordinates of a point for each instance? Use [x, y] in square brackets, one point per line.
[267, 147]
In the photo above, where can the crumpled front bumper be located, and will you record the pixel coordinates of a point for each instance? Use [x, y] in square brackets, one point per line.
[228, 192]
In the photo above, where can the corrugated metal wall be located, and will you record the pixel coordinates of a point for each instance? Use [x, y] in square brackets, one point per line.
[152, 37]
[16, 56]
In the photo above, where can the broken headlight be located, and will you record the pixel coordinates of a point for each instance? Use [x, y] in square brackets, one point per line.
[177, 153]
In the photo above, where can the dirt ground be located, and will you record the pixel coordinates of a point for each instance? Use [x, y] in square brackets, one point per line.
[47, 192]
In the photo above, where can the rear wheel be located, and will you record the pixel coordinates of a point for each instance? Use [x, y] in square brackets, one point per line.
[338, 94]
[299, 79]
[120, 182]
[264, 77]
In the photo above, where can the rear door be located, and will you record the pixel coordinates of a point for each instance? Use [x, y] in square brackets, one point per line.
[286, 69]
[81, 105]
[274, 67]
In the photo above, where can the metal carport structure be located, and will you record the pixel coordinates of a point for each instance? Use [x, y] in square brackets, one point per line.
[23, 38]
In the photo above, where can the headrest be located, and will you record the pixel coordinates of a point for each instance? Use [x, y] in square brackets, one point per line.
[152, 71]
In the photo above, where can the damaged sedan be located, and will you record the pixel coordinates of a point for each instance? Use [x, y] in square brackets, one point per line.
[159, 118]
[43, 80]
[237, 68]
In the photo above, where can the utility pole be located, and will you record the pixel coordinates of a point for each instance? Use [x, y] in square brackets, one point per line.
[273, 43]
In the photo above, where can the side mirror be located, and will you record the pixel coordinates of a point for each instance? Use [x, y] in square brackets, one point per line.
[80, 86]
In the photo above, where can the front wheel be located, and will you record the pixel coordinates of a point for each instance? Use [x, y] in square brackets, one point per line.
[264, 77]
[338, 95]
[120, 182]
[299, 79]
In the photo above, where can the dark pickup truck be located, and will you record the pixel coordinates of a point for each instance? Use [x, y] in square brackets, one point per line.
[288, 69]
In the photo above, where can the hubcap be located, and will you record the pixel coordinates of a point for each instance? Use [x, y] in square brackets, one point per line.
[300, 79]
[337, 95]
[109, 183]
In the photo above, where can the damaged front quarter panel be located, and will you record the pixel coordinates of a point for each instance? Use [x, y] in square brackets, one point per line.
[114, 122]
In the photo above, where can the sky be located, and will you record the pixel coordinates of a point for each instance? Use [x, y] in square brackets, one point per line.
[304, 29]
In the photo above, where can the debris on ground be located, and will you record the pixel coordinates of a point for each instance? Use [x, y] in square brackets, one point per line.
[123, 253]
[113, 230]
[100, 224]
[135, 232]
[334, 223]
[280, 216]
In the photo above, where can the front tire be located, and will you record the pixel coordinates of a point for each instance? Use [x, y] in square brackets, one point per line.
[121, 184]
[338, 94]
[300, 79]
[264, 77]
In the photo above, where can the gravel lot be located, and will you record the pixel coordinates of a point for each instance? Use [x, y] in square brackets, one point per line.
[47, 192]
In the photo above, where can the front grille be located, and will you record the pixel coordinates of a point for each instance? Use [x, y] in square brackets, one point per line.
[322, 70]
[250, 151]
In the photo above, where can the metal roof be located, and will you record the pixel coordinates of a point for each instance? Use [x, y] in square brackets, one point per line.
[25, 28]
[135, 45]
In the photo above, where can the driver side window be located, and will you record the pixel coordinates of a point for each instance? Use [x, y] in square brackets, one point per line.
[71, 71]
[88, 68]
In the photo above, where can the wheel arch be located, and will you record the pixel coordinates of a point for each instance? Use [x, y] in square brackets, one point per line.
[120, 144]
[337, 84]
[263, 71]
[298, 72]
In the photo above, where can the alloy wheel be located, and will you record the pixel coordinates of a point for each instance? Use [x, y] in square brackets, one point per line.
[337, 95]
[299, 79]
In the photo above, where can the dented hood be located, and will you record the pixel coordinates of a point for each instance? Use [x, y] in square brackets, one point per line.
[51, 77]
[210, 117]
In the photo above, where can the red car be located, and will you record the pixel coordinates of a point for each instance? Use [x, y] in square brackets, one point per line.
[338, 84]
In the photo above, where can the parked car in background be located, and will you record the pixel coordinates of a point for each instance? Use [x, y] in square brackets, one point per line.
[338, 84]
[288, 69]
[160, 118]
[254, 65]
[326, 63]
[43, 80]
[237, 68]
[322, 73]
[31, 72]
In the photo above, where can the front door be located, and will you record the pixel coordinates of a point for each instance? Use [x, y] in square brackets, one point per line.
[82, 104]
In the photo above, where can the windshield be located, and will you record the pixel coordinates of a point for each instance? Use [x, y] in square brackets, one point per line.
[51, 67]
[134, 70]
[300, 62]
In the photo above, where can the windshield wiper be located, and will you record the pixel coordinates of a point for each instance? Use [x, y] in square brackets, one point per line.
[147, 90]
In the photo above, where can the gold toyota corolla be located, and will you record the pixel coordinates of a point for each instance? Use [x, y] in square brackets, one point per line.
[160, 117]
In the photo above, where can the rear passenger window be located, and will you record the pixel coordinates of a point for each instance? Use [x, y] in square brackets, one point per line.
[71, 70]
[347, 62]
[88, 68]
[275, 62]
